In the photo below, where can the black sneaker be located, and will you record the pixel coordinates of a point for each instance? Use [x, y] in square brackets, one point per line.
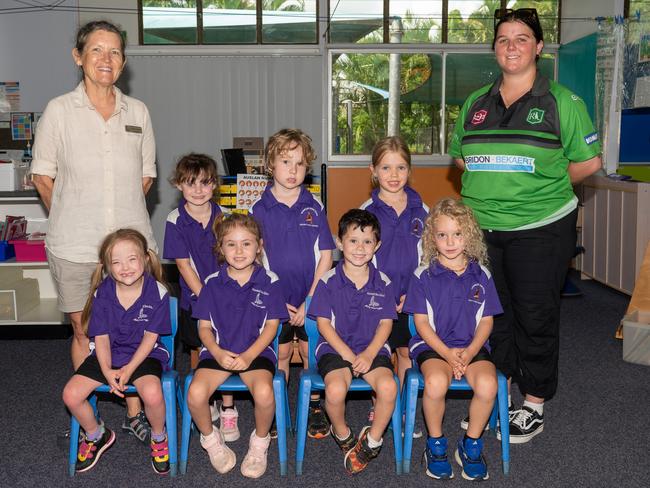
[357, 458]
[511, 415]
[526, 424]
[347, 443]
[90, 451]
[160, 456]
[318, 424]
[137, 426]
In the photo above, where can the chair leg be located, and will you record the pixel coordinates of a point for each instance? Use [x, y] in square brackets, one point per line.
[74, 445]
[411, 384]
[397, 431]
[169, 393]
[186, 425]
[302, 412]
[502, 402]
[280, 392]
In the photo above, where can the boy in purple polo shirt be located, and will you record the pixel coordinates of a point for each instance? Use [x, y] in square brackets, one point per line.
[452, 298]
[298, 244]
[239, 311]
[189, 240]
[124, 315]
[354, 308]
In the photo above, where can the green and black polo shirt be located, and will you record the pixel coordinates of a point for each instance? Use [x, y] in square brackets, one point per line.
[516, 158]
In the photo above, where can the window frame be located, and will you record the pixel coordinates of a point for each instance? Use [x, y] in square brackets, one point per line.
[434, 159]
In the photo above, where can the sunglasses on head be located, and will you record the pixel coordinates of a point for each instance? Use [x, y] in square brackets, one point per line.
[523, 14]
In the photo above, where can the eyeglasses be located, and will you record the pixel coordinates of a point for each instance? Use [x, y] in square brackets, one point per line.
[523, 14]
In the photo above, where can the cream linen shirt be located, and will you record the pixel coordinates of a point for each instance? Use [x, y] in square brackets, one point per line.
[97, 167]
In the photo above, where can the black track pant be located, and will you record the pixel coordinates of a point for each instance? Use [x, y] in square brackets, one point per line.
[529, 268]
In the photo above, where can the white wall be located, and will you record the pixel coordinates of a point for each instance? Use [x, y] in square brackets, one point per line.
[35, 50]
[574, 12]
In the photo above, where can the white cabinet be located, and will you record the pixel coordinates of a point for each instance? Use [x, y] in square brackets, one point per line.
[27, 203]
[615, 230]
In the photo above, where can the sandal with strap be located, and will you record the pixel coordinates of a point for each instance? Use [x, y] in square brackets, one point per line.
[137, 426]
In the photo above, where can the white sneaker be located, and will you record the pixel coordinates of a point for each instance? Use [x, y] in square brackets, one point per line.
[214, 411]
[223, 459]
[254, 463]
[229, 427]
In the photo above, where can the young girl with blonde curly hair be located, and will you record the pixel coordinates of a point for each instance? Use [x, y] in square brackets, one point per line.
[452, 298]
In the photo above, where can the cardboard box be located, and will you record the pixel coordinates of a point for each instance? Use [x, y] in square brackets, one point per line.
[23, 296]
[636, 337]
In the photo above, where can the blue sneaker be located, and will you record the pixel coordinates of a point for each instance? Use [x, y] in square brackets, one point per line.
[435, 455]
[469, 456]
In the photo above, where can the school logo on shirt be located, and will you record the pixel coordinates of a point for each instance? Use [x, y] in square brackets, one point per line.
[477, 293]
[479, 117]
[416, 227]
[535, 116]
[309, 214]
[142, 315]
[257, 302]
[373, 304]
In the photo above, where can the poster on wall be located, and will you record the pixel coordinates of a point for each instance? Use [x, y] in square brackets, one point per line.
[249, 189]
[21, 126]
[9, 99]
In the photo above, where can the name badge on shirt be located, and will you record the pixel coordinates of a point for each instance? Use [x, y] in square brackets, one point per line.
[133, 128]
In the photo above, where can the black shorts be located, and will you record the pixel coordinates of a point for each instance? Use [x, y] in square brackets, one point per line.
[90, 368]
[330, 362]
[188, 330]
[400, 335]
[482, 355]
[288, 332]
[259, 362]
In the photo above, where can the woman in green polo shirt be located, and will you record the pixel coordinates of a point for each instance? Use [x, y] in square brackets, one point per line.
[521, 143]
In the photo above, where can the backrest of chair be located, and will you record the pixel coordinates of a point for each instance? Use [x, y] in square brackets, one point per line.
[168, 340]
[311, 328]
[412, 326]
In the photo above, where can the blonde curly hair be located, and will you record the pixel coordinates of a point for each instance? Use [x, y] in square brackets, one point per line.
[285, 140]
[475, 248]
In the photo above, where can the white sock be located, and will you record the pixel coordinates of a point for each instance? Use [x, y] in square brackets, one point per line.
[536, 407]
[373, 444]
[509, 400]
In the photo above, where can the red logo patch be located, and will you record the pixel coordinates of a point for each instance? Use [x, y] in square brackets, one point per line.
[308, 218]
[479, 117]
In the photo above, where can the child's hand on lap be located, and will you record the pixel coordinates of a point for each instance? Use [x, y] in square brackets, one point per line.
[112, 379]
[361, 363]
[225, 358]
[241, 362]
[124, 374]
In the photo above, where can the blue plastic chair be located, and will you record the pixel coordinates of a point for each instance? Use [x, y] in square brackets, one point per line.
[232, 384]
[310, 381]
[414, 382]
[169, 382]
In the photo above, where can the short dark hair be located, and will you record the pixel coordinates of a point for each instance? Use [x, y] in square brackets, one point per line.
[94, 25]
[527, 16]
[361, 219]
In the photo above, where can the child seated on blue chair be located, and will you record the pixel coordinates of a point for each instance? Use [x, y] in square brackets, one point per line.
[239, 310]
[126, 312]
[354, 308]
[452, 298]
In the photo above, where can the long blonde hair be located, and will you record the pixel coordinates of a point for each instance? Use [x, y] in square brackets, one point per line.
[151, 265]
[475, 248]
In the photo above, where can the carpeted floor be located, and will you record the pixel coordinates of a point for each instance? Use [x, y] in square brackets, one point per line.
[597, 430]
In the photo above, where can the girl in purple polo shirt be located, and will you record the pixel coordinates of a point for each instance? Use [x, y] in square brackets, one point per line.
[189, 241]
[401, 214]
[452, 298]
[239, 310]
[127, 310]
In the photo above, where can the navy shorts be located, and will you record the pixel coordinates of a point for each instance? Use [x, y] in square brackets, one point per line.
[400, 334]
[482, 355]
[259, 362]
[288, 332]
[330, 362]
[90, 368]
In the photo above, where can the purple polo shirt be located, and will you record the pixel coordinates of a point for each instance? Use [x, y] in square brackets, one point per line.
[293, 239]
[401, 248]
[238, 314]
[126, 328]
[355, 314]
[454, 304]
[185, 238]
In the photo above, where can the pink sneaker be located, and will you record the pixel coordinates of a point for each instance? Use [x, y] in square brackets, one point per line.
[229, 427]
[254, 463]
[223, 459]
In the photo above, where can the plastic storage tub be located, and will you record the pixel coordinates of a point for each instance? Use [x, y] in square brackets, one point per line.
[6, 251]
[29, 250]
